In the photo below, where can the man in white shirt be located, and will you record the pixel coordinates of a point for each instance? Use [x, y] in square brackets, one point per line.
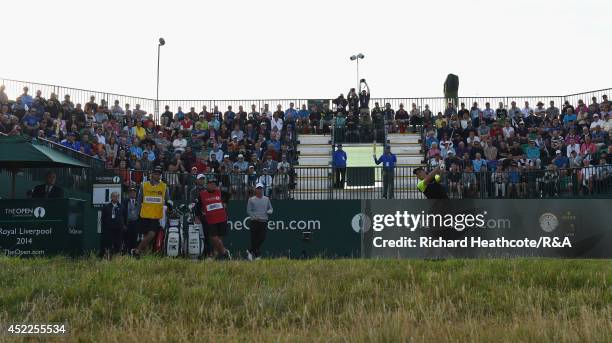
[607, 126]
[526, 110]
[597, 121]
[217, 152]
[489, 113]
[508, 130]
[100, 136]
[179, 143]
[276, 122]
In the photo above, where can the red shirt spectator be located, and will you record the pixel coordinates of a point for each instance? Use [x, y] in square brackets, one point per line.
[200, 166]
[186, 123]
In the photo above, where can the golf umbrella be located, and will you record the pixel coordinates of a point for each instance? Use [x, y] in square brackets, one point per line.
[19, 152]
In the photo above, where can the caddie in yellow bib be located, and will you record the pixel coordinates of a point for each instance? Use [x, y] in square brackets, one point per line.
[153, 196]
[153, 199]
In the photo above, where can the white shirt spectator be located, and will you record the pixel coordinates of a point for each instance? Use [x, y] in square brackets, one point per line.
[179, 144]
[218, 154]
[508, 131]
[573, 147]
[526, 111]
[471, 140]
[277, 123]
[599, 122]
[608, 126]
[101, 139]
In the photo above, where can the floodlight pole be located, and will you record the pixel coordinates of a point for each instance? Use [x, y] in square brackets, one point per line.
[161, 42]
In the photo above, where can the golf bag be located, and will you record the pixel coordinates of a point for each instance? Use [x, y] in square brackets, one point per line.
[195, 237]
[174, 245]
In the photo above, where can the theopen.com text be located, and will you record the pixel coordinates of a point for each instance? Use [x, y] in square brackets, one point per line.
[459, 222]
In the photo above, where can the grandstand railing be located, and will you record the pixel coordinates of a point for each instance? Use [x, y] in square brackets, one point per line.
[312, 183]
[14, 88]
[436, 104]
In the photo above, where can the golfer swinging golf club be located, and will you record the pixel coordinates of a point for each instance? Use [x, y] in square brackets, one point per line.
[429, 184]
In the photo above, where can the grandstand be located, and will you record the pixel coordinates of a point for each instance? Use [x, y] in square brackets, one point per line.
[491, 147]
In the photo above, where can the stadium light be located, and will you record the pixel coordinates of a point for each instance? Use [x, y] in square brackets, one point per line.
[356, 58]
[161, 43]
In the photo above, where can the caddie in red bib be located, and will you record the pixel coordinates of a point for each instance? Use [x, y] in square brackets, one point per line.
[211, 208]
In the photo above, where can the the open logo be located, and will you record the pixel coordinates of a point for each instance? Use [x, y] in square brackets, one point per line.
[361, 222]
[39, 212]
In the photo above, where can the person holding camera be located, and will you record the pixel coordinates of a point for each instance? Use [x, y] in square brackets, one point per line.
[259, 208]
[364, 97]
[353, 100]
[340, 103]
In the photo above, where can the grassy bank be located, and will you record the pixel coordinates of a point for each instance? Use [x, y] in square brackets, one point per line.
[315, 300]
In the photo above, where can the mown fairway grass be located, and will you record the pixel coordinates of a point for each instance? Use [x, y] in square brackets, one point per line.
[154, 299]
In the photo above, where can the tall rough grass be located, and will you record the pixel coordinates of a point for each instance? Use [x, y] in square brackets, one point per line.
[151, 300]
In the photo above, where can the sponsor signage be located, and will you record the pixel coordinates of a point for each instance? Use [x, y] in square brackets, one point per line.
[41, 227]
[102, 189]
[300, 229]
[352, 228]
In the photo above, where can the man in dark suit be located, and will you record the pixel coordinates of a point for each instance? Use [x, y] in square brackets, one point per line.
[112, 227]
[130, 211]
[49, 189]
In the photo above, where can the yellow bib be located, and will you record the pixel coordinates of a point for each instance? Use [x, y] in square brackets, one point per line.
[153, 200]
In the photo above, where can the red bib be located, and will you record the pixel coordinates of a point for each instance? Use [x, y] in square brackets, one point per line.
[212, 207]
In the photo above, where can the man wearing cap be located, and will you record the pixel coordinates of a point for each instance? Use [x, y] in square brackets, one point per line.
[200, 185]
[561, 161]
[152, 197]
[241, 163]
[597, 121]
[258, 209]
[339, 166]
[210, 207]
[388, 161]
[131, 212]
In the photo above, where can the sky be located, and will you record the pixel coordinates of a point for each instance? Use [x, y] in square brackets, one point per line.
[244, 49]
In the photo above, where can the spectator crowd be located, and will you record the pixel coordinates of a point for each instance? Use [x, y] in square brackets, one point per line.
[237, 148]
[522, 151]
[492, 152]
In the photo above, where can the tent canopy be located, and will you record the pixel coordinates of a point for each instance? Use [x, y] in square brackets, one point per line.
[18, 152]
